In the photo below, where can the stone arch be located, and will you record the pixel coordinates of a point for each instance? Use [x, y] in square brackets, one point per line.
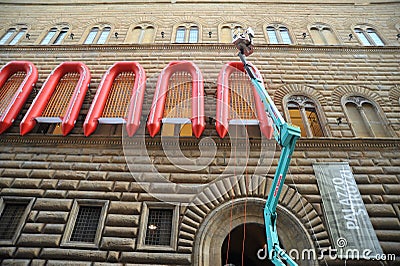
[231, 19]
[203, 222]
[347, 90]
[394, 95]
[291, 89]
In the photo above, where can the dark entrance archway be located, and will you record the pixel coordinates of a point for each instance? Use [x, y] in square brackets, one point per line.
[254, 239]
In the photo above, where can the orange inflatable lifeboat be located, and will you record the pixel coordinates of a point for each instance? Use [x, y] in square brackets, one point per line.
[124, 85]
[17, 78]
[197, 118]
[225, 87]
[60, 98]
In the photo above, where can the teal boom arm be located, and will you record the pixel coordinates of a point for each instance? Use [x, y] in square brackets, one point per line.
[286, 135]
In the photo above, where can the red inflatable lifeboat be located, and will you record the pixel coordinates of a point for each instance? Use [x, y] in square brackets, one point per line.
[229, 81]
[196, 118]
[119, 98]
[17, 78]
[60, 99]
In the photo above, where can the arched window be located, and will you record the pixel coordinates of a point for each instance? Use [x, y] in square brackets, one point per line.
[364, 117]
[188, 33]
[323, 34]
[55, 35]
[141, 34]
[304, 114]
[13, 35]
[278, 34]
[98, 35]
[227, 31]
[368, 36]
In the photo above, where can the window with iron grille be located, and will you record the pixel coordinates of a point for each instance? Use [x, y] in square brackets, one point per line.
[159, 227]
[86, 224]
[10, 219]
[13, 213]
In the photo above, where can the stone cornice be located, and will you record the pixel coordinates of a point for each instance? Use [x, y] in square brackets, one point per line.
[189, 143]
[198, 47]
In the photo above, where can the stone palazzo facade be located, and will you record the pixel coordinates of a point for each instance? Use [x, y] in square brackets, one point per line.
[331, 67]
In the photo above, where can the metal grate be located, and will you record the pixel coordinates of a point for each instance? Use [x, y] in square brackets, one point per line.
[159, 227]
[10, 219]
[120, 94]
[86, 224]
[9, 89]
[179, 97]
[58, 103]
[241, 97]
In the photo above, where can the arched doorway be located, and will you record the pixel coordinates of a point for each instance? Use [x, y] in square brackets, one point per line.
[216, 226]
[234, 248]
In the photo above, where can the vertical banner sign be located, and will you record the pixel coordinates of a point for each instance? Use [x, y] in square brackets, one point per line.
[348, 222]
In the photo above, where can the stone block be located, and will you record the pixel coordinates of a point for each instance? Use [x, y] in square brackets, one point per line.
[33, 228]
[118, 244]
[92, 175]
[367, 170]
[122, 220]
[39, 240]
[42, 173]
[371, 189]
[27, 253]
[48, 184]
[37, 262]
[123, 207]
[69, 175]
[56, 194]
[380, 210]
[67, 184]
[121, 186]
[73, 254]
[94, 195]
[67, 262]
[54, 229]
[22, 192]
[120, 176]
[85, 166]
[393, 189]
[118, 231]
[7, 252]
[96, 185]
[53, 217]
[395, 170]
[153, 258]
[26, 183]
[6, 182]
[15, 262]
[16, 173]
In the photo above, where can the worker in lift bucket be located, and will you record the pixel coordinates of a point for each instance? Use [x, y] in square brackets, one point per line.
[244, 41]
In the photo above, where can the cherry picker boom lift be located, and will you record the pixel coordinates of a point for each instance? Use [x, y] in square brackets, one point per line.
[286, 135]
